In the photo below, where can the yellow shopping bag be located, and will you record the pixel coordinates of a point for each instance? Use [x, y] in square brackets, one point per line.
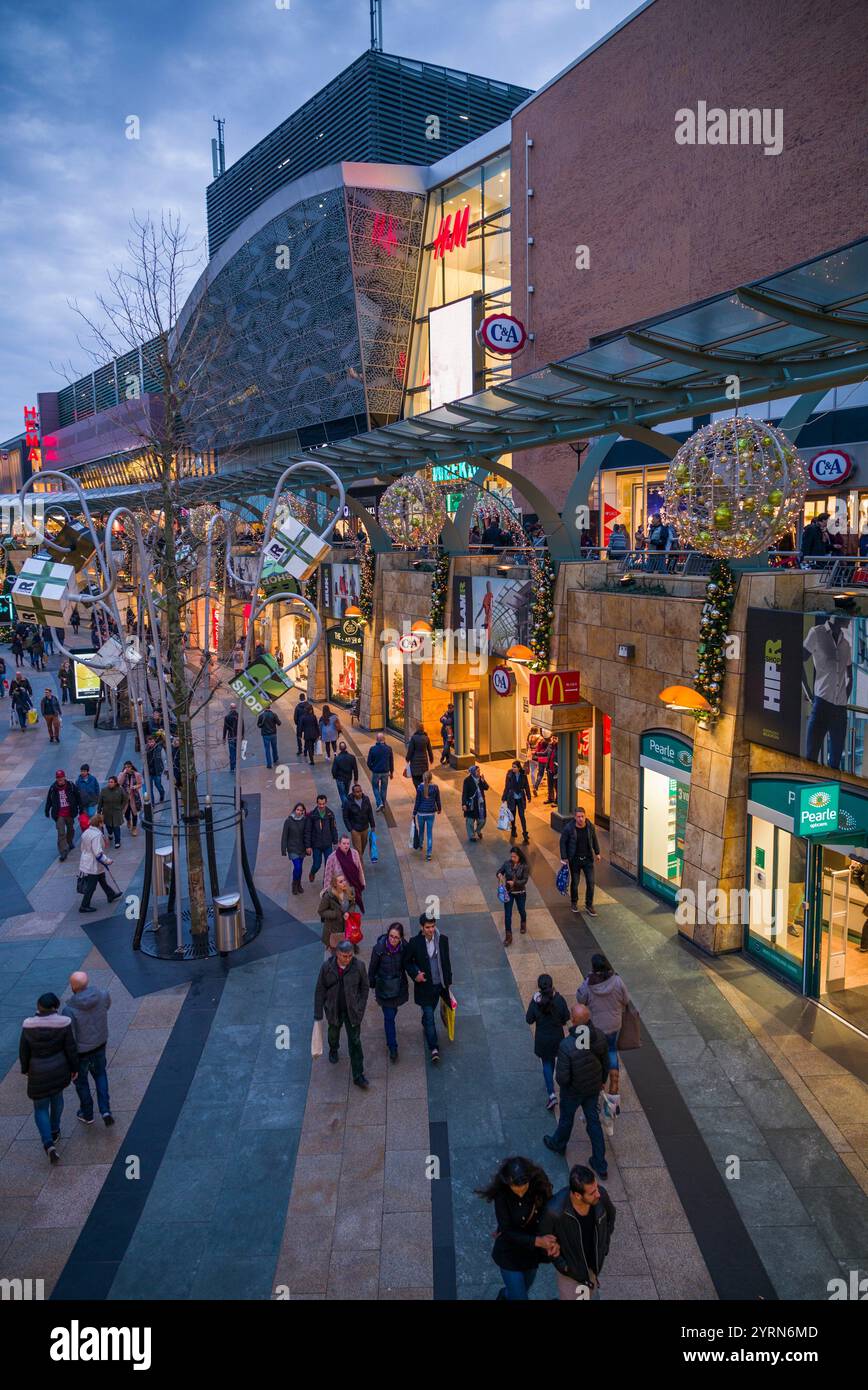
[32, 716]
[447, 1014]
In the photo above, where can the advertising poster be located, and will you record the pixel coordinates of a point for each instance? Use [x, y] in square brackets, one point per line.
[806, 687]
[343, 589]
[501, 607]
[86, 681]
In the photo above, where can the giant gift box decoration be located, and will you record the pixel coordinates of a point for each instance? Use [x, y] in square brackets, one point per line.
[114, 660]
[295, 550]
[261, 684]
[45, 591]
[72, 544]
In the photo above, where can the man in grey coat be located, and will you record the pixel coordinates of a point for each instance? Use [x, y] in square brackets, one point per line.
[88, 1008]
[342, 994]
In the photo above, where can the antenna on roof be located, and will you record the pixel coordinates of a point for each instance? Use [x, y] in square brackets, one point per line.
[377, 26]
[218, 149]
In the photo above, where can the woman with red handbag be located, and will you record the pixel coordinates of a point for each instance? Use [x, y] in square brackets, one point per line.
[338, 912]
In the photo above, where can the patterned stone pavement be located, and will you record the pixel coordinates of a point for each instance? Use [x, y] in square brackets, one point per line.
[263, 1174]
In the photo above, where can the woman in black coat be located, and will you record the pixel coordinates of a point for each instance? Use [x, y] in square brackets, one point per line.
[519, 1191]
[388, 979]
[516, 794]
[549, 1012]
[420, 754]
[49, 1059]
[292, 842]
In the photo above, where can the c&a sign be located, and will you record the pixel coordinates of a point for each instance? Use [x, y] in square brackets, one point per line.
[555, 688]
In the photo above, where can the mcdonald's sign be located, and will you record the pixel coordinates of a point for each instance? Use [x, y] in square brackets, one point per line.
[555, 688]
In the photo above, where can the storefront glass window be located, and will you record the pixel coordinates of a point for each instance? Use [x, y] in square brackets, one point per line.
[666, 762]
[776, 912]
[395, 691]
[344, 674]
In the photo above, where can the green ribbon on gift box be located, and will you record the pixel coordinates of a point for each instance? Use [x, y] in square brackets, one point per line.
[295, 546]
[263, 682]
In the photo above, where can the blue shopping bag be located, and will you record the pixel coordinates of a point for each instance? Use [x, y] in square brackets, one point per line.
[562, 882]
[373, 844]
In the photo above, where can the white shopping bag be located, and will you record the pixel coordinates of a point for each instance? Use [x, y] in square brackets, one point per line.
[504, 820]
[316, 1040]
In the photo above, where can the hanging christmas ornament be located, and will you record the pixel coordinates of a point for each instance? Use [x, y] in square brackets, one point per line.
[734, 487]
[412, 511]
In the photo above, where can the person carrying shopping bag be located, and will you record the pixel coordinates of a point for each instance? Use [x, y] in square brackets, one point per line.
[512, 880]
[426, 807]
[473, 802]
[607, 998]
[335, 904]
[516, 795]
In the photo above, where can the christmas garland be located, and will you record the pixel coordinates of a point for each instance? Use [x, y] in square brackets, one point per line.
[439, 589]
[368, 571]
[542, 610]
[713, 629]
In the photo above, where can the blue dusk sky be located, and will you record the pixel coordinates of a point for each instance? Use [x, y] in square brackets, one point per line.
[71, 74]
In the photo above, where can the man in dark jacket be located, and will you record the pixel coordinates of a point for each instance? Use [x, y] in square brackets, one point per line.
[359, 819]
[296, 719]
[582, 1218]
[381, 765]
[49, 708]
[342, 994]
[320, 835]
[49, 1059]
[21, 696]
[581, 1069]
[815, 538]
[345, 771]
[63, 804]
[308, 725]
[88, 1008]
[428, 965]
[88, 788]
[154, 759]
[230, 733]
[473, 802]
[268, 725]
[580, 849]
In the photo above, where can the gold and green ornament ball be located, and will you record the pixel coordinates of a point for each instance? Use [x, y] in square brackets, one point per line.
[412, 511]
[734, 487]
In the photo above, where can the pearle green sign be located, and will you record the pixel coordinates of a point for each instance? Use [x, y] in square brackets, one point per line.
[818, 809]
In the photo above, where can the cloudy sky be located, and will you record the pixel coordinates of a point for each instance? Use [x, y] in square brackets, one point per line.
[73, 71]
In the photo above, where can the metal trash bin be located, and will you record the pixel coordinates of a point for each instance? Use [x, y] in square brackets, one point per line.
[162, 870]
[228, 925]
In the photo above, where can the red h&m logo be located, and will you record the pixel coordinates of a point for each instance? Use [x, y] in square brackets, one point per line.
[384, 233]
[448, 235]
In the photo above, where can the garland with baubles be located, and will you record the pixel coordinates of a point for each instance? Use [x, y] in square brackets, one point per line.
[439, 590]
[713, 629]
[542, 609]
[368, 573]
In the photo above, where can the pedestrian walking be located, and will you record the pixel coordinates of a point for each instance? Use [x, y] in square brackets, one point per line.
[473, 802]
[539, 761]
[296, 719]
[447, 732]
[581, 1217]
[516, 795]
[64, 677]
[47, 639]
[62, 804]
[581, 1069]
[17, 647]
[131, 784]
[238, 657]
[428, 965]
[268, 725]
[329, 728]
[88, 1008]
[606, 996]
[548, 1013]
[75, 621]
[156, 767]
[426, 806]
[49, 1060]
[292, 845]
[346, 860]
[381, 765]
[512, 878]
[551, 771]
[112, 804]
[230, 733]
[580, 849]
[342, 995]
[3, 681]
[520, 1192]
[49, 708]
[21, 697]
[388, 979]
[94, 862]
[309, 726]
[420, 754]
[320, 835]
[359, 818]
[335, 904]
[345, 771]
[130, 619]
[37, 652]
[88, 789]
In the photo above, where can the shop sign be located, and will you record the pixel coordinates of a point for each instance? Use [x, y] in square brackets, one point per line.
[384, 234]
[830, 468]
[348, 633]
[451, 234]
[667, 751]
[503, 333]
[818, 809]
[501, 680]
[261, 684]
[410, 643]
[780, 800]
[555, 688]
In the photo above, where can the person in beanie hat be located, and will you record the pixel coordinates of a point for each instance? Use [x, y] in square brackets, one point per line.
[62, 804]
[49, 1059]
[548, 1013]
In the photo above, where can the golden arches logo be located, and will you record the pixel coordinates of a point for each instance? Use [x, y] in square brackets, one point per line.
[550, 689]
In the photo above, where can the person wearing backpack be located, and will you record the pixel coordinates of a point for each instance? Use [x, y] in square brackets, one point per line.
[387, 977]
[548, 1013]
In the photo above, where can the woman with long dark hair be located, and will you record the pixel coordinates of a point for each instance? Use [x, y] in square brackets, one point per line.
[548, 1012]
[388, 979]
[606, 996]
[519, 1191]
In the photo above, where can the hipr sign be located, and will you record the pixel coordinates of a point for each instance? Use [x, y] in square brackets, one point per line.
[555, 688]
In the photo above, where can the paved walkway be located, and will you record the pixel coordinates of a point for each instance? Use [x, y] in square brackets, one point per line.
[264, 1174]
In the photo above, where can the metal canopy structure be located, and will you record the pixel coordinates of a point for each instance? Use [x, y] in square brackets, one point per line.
[804, 330]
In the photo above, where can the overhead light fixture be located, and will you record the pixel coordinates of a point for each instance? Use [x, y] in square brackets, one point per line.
[627, 581]
[844, 600]
[504, 568]
[353, 611]
[520, 653]
[684, 697]
[420, 625]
